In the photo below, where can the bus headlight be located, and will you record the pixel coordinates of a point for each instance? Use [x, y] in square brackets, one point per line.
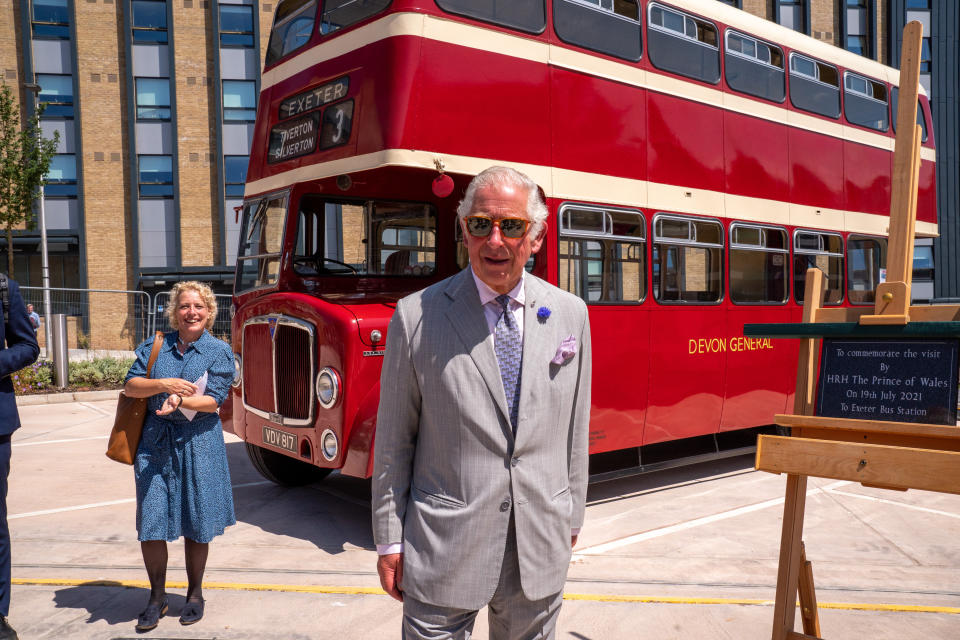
[328, 388]
[237, 370]
[329, 445]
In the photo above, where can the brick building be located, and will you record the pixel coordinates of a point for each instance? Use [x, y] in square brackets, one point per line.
[155, 100]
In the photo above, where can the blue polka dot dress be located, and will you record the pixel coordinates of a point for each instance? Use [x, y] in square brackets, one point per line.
[183, 481]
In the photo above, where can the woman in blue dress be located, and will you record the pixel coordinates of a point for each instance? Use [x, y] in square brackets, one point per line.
[183, 482]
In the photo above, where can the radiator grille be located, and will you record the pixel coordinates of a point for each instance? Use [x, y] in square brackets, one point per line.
[278, 369]
[257, 367]
[293, 374]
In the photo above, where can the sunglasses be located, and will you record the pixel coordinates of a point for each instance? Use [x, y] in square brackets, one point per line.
[481, 226]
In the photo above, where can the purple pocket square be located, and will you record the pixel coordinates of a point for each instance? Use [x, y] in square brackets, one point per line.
[566, 350]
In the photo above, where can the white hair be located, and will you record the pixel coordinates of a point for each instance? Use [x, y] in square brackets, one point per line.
[497, 175]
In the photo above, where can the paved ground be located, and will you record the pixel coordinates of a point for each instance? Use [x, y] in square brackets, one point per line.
[687, 553]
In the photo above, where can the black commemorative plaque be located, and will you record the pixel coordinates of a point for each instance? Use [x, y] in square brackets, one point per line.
[891, 380]
[293, 138]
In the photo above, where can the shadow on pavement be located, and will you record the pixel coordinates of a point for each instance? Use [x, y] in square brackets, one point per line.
[329, 514]
[619, 489]
[111, 602]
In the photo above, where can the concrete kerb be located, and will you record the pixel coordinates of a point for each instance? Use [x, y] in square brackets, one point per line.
[68, 396]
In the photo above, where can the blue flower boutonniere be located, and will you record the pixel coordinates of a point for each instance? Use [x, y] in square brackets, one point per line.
[543, 313]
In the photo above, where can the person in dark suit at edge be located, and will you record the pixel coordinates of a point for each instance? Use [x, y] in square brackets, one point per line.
[18, 348]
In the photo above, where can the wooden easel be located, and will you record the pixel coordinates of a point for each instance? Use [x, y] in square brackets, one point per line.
[889, 455]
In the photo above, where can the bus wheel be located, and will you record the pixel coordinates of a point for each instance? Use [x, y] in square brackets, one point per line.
[283, 470]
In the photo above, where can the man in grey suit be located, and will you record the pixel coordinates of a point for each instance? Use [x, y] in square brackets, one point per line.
[480, 472]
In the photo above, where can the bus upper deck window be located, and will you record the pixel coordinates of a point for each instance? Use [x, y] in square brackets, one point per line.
[814, 86]
[754, 67]
[338, 14]
[865, 102]
[921, 120]
[683, 44]
[607, 26]
[292, 27]
[524, 15]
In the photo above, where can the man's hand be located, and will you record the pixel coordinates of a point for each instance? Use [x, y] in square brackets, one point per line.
[390, 568]
[573, 541]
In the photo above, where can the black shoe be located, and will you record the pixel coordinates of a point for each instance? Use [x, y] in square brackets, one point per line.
[192, 612]
[6, 631]
[150, 617]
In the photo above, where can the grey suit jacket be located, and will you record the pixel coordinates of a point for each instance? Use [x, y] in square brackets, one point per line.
[447, 468]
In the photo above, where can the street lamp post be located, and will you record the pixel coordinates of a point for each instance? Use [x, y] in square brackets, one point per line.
[44, 258]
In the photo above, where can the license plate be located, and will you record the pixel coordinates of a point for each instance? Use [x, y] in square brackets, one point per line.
[280, 439]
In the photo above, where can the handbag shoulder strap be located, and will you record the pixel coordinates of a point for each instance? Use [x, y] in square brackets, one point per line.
[157, 343]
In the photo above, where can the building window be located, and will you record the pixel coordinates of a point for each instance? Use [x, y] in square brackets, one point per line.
[682, 44]
[792, 14]
[61, 177]
[236, 25]
[153, 98]
[737, 4]
[51, 19]
[234, 175]
[603, 254]
[149, 21]
[239, 101]
[687, 260]
[858, 26]
[921, 10]
[759, 264]
[155, 176]
[57, 92]
[823, 251]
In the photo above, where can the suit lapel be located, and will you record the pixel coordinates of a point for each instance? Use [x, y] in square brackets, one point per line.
[535, 341]
[466, 315]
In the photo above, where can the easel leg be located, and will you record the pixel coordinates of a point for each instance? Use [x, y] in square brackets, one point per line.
[788, 573]
[808, 596]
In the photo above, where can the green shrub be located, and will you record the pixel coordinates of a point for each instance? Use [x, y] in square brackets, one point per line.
[85, 373]
[114, 370]
[102, 372]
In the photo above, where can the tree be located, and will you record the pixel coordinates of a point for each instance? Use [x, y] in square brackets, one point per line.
[24, 161]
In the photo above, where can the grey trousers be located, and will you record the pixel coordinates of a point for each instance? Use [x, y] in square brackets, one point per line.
[510, 615]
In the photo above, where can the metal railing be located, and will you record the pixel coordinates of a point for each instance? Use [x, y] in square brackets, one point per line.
[113, 319]
[221, 325]
[101, 319]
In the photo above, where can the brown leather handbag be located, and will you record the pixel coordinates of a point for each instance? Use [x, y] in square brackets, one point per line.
[131, 412]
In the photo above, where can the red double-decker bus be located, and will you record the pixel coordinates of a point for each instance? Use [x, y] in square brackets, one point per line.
[696, 160]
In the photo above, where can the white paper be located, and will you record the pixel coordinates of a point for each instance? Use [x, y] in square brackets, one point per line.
[201, 387]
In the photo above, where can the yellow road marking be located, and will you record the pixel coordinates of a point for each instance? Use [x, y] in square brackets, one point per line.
[374, 591]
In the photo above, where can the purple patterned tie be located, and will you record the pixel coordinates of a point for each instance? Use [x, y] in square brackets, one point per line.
[509, 349]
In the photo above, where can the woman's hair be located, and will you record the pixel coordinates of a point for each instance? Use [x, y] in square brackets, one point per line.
[191, 285]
